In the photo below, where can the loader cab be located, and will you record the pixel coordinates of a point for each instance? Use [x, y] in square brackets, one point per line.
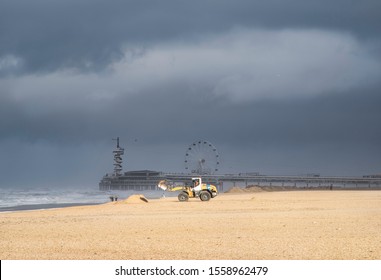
[196, 183]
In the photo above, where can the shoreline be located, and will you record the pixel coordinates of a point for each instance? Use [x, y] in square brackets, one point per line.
[45, 206]
[231, 191]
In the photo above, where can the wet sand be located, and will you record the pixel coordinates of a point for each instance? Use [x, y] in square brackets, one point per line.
[259, 225]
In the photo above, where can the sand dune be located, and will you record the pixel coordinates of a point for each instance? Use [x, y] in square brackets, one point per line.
[247, 225]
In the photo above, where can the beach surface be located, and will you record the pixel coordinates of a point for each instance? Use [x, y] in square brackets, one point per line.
[308, 225]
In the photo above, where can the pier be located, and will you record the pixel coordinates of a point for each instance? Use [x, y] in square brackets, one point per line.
[147, 180]
[315, 181]
[197, 157]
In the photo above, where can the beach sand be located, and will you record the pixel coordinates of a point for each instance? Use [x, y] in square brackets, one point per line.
[243, 225]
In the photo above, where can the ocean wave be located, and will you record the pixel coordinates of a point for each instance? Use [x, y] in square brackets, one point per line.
[35, 196]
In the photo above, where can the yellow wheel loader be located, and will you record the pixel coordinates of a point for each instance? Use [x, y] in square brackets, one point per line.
[203, 191]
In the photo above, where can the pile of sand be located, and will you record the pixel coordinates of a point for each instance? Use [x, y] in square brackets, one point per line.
[251, 188]
[254, 188]
[136, 198]
[235, 190]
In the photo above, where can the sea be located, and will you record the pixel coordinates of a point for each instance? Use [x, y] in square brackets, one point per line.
[20, 199]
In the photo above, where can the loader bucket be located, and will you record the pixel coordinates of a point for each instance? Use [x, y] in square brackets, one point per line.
[163, 185]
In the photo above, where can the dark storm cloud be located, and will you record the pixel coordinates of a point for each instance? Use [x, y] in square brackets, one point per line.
[167, 116]
[277, 86]
[267, 136]
[47, 35]
[203, 85]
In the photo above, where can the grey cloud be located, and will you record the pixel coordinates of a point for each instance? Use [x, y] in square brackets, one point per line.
[176, 113]
[329, 135]
[204, 86]
[89, 35]
[241, 65]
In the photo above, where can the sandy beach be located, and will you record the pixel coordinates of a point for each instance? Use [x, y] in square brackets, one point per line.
[248, 225]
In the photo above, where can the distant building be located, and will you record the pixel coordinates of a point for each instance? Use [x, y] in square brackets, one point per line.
[376, 176]
[131, 180]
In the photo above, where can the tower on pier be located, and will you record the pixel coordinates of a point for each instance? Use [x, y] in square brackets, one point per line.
[118, 152]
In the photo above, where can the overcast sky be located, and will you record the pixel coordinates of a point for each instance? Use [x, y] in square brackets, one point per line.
[279, 87]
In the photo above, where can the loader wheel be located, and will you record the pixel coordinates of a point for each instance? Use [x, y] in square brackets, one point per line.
[183, 197]
[205, 196]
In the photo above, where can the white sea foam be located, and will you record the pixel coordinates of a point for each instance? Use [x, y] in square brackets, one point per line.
[35, 196]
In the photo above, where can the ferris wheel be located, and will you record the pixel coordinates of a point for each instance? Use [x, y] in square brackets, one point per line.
[201, 157]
